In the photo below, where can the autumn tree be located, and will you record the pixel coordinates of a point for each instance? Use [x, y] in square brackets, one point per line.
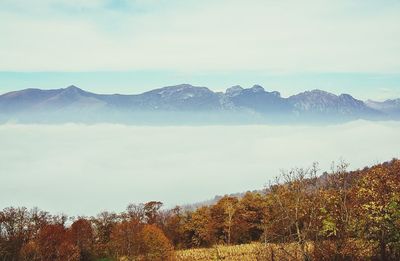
[136, 212]
[378, 210]
[14, 233]
[336, 215]
[81, 235]
[126, 238]
[173, 226]
[151, 211]
[249, 216]
[155, 245]
[293, 206]
[30, 251]
[222, 217]
[54, 245]
[198, 228]
[103, 223]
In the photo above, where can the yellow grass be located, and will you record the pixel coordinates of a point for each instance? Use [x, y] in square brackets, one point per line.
[356, 249]
[246, 252]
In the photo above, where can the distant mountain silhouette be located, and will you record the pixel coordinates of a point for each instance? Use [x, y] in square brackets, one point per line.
[390, 107]
[185, 103]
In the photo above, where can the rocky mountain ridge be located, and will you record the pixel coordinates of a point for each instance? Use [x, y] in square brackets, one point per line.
[184, 101]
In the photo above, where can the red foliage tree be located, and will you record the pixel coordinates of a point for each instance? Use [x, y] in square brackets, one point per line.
[81, 235]
[54, 244]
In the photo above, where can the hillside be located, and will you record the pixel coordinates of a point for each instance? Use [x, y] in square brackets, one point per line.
[302, 216]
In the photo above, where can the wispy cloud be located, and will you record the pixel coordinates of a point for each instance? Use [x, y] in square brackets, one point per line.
[225, 35]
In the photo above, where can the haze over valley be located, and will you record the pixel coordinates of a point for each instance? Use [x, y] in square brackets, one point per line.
[83, 169]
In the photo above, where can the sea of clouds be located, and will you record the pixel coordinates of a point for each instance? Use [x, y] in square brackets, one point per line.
[84, 169]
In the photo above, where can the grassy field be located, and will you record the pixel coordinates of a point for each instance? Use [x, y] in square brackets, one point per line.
[353, 250]
[246, 252]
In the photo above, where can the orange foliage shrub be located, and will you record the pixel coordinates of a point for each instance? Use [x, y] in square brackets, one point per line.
[156, 245]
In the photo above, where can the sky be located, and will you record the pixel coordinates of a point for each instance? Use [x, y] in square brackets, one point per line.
[121, 46]
[82, 170]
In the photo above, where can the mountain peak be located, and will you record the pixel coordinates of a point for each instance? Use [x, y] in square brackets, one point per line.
[234, 90]
[73, 87]
[315, 94]
[182, 86]
[177, 88]
[346, 96]
[73, 90]
[321, 92]
[257, 88]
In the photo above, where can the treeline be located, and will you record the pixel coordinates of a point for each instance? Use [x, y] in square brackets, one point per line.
[339, 215]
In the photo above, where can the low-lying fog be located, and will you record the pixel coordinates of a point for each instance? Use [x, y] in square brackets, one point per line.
[79, 169]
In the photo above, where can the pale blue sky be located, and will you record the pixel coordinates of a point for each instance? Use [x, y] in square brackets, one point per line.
[361, 85]
[121, 46]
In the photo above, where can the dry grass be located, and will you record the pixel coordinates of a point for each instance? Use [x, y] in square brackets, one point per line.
[247, 252]
[353, 250]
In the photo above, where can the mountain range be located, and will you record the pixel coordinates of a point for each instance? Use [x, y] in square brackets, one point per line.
[184, 103]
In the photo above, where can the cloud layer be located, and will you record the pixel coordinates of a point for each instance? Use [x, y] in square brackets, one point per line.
[83, 169]
[225, 35]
